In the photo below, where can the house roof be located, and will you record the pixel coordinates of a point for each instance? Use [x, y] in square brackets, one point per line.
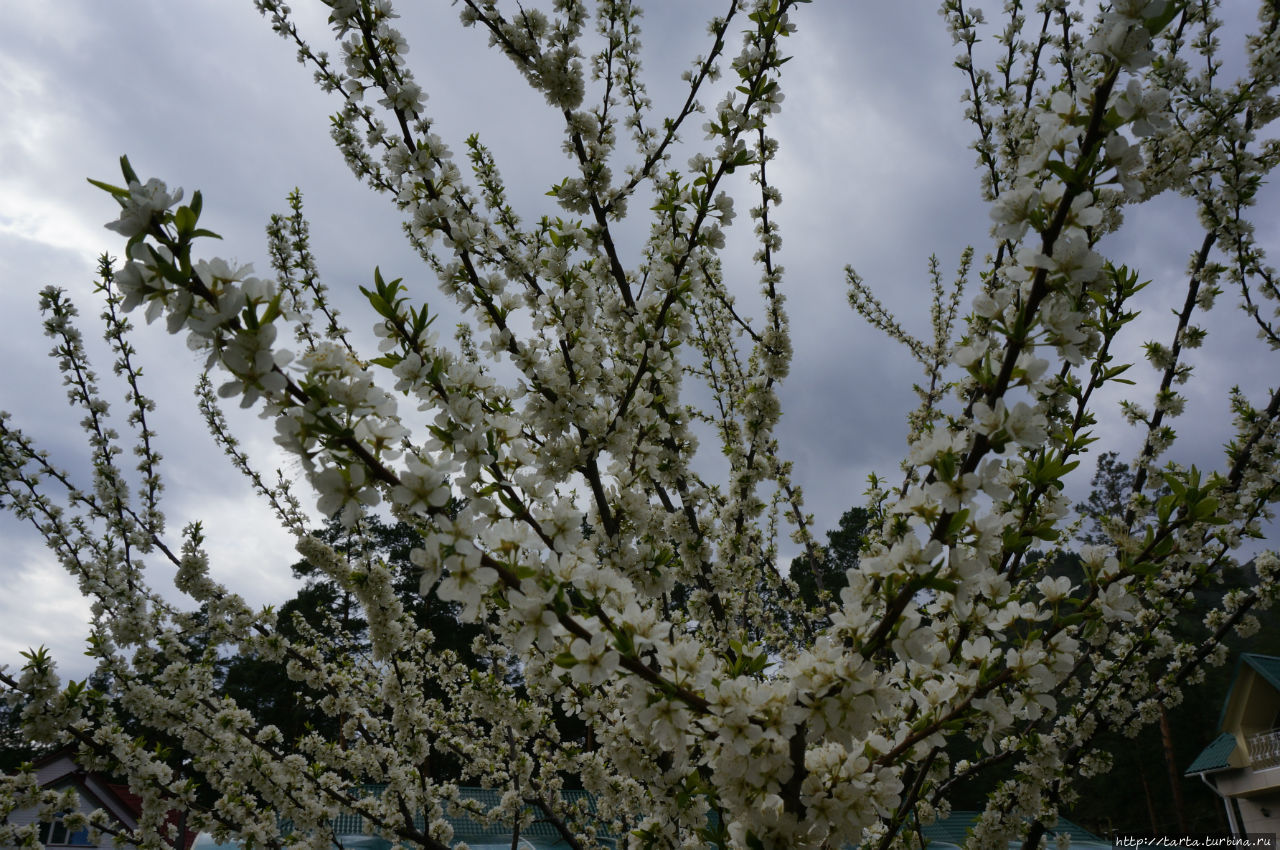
[1214, 756]
[134, 804]
[955, 830]
[60, 769]
[348, 827]
[1217, 754]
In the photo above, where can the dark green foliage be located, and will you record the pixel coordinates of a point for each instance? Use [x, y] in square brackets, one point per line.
[263, 686]
[1112, 482]
[15, 749]
[843, 544]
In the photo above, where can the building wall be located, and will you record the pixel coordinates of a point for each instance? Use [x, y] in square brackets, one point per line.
[1247, 782]
[22, 817]
[1261, 813]
[56, 774]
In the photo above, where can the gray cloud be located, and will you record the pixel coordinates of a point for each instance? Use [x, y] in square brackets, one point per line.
[874, 168]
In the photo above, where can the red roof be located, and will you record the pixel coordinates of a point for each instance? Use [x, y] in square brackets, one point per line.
[133, 803]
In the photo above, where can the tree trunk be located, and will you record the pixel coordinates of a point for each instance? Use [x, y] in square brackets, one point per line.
[1175, 781]
[1146, 792]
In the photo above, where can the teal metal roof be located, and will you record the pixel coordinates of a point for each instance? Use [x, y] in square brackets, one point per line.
[955, 831]
[349, 833]
[1214, 756]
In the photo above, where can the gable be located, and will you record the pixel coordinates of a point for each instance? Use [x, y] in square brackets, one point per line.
[93, 792]
[60, 771]
[1252, 705]
[1266, 666]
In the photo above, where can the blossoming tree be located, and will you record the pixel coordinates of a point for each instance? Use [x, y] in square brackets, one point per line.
[548, 459]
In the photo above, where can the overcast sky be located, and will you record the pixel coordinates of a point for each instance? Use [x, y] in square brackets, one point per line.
[875, 171]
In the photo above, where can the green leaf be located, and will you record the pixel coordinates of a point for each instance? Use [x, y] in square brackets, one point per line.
[107, 187]
[185, 220]
[957, 523]
[1205, 509]
[130, 176]
[940, 584]
[1063, 171]
[272, 312]
[1045, 531]
[1157, 23]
